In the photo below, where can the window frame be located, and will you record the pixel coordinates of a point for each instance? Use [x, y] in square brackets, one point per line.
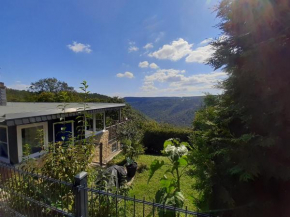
[95, 132]
[6, 160]
[73, 129]
[19, 139]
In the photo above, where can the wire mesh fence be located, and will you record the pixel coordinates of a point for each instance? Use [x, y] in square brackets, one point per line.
[28, 194]
[102, 203]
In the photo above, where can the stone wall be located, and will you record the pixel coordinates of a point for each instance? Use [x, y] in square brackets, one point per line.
[103, 138]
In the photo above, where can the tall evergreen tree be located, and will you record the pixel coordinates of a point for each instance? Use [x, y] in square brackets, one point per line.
[242, 142]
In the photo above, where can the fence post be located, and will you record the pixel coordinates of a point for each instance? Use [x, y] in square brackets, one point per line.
[101, 154]
[81, 195]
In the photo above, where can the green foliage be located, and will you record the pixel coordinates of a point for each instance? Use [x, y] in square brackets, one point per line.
[170, 191]
[240, 142]
[155, 134]
[51, 85]
[130, 134]
[51, 90]
[155, 165]
[20, 95]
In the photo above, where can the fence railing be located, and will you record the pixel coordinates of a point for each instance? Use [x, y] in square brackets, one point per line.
[28, 194]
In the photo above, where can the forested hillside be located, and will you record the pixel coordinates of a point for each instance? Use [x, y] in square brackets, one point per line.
[178, 111]
[28, 96]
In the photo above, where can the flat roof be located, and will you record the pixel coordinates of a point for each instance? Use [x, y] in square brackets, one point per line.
[20, 110]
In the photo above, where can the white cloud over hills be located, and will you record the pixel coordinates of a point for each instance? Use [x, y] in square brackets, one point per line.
[177, 81]
[18, 85]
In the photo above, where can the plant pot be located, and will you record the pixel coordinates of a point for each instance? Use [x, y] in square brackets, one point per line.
[131, 169]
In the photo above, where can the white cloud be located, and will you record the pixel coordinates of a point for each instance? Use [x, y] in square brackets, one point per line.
[200, 54]
[79, 47]
[164, 75]
[206, 41]
[174, 51]
[159, 36]
[125, 75]
[132, 47]
[148, 46]
[18, 85]
[153, 66]
[178, 82]
[144, 64]
[181, 48]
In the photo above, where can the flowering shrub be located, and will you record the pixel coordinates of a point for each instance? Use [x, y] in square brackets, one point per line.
[176, 152]
[170, 191]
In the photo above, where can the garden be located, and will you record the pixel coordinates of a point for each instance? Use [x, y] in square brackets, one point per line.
[140, 188]
[45, 186]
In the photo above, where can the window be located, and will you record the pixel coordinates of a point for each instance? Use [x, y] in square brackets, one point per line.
[94, 124]
[63, 131]
[31, 139]
[89, 125]
[99, 122]
[114, 146]
[4, 155]
[31, 136]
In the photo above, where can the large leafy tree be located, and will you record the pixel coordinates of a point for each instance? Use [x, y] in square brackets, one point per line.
[50, 85]
[242, 141]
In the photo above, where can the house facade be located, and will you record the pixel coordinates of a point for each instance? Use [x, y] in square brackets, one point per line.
[38, 124]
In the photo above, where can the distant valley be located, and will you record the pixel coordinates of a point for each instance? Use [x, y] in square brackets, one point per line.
[178, 111]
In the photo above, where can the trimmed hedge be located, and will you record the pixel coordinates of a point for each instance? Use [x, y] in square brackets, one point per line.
[155, 137]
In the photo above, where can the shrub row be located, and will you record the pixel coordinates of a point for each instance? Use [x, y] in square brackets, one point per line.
[154, 138]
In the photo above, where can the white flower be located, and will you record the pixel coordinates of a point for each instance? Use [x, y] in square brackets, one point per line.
[173, 151]
[182, 150]
[170, 149]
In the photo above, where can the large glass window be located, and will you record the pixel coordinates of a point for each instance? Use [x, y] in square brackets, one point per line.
[99, 122]
[89, 125]
[3, 143]
[32, 140]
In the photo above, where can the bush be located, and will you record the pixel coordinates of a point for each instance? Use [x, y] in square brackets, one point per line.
[130, 135]
[155, 135]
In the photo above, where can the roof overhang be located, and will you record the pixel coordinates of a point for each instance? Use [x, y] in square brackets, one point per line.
[39, 116]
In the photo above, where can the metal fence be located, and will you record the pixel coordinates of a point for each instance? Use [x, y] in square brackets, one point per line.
[27, 194]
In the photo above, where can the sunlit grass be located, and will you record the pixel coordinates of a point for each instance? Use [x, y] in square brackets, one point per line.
[141, 189]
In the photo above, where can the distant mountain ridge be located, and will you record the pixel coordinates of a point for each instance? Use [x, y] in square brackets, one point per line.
[178, 111]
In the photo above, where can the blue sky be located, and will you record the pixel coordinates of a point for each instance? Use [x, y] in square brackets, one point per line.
[121, 47]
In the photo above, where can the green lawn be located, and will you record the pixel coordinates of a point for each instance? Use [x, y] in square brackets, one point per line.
[141, 189]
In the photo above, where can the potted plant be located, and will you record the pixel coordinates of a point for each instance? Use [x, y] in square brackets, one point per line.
[131, 167]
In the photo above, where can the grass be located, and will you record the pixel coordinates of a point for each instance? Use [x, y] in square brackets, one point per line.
[141, 189]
